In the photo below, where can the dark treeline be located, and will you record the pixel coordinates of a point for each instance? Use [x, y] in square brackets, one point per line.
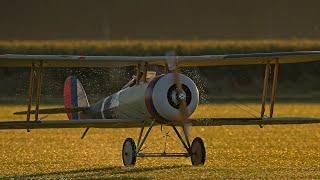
[165, 19]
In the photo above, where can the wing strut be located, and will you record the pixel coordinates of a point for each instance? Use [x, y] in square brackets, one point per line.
[274, 87]
[31, 82]
[35, 84]
[38, 95]
[266, 87]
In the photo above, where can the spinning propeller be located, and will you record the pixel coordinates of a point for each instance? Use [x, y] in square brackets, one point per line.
[181, 94]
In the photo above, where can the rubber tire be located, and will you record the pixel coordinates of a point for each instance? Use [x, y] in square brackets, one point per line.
[198, 152]
[129, 156]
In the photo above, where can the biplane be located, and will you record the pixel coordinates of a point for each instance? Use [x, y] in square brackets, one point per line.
[148, 100]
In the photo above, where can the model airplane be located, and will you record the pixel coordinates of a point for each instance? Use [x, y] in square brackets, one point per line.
[148, 100]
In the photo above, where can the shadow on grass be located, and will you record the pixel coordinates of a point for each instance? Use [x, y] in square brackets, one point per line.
[104, 172]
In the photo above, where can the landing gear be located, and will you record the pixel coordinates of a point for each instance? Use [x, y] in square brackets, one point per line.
[129, 153]
[198, 152]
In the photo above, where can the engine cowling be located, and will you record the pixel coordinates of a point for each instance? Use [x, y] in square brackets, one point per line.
[163, 99]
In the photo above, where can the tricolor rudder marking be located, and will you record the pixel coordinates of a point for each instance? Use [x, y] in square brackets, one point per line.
[74, 96]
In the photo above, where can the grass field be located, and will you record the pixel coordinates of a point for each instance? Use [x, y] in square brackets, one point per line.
[290, 151]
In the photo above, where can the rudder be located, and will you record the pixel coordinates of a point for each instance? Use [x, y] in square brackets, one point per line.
[74, 96]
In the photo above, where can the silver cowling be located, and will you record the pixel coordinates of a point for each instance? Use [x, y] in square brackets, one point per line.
[163, 99]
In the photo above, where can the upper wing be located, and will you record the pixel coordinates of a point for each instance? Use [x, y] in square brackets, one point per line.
[252, 58]
[252, 121]
[20, 60]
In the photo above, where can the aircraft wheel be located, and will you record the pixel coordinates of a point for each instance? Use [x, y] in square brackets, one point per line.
[129, 153]
[198, 152]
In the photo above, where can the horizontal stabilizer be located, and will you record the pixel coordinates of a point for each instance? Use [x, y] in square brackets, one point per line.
[253, 121]
[54, 110]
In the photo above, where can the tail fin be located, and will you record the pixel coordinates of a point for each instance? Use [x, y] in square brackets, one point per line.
[74, 96]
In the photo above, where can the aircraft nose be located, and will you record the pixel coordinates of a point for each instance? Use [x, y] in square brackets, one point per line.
[163, 98]
[182, 96]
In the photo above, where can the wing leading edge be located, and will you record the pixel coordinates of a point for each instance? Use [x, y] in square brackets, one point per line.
[21, 60]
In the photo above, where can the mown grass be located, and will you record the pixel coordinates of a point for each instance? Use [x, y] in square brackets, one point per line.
[155, 47]
[275, 152]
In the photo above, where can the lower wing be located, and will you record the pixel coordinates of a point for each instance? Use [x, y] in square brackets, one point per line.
[83, 123]
[253, 121]
[134, 123]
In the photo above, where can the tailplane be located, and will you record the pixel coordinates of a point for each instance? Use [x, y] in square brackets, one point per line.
[74, 97]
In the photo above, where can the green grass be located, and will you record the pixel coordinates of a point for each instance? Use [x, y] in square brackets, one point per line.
[276, 152]
[155, 47]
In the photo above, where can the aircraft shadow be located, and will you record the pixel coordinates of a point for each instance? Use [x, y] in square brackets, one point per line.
[104, 172]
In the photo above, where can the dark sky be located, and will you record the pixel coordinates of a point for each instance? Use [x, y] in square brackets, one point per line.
[159, 19]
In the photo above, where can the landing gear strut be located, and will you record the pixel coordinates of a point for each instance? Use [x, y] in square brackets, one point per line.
[196, 151]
